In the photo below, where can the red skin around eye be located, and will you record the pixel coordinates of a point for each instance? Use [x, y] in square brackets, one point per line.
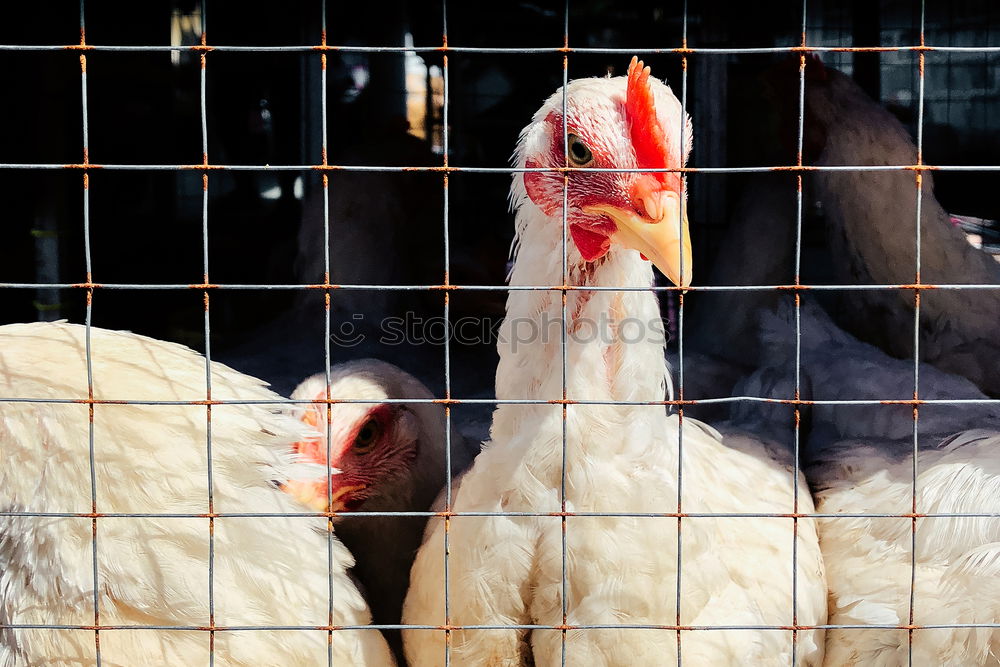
[590, 233]
[315, 448]
[358, 474]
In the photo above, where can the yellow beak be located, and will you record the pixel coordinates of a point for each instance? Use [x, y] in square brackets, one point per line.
[664, 240]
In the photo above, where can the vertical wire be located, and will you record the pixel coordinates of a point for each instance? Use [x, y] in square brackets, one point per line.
[562, 329]
[447, 349]
[949, 82]
[796, 434]
[916, 336]
[324, 156]
[447, 345]
[88, 322]
[680, 339]
[208, 340]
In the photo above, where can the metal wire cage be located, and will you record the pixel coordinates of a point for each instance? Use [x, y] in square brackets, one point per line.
[894, 67]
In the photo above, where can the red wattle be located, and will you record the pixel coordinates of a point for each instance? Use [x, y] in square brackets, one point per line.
[592, 244]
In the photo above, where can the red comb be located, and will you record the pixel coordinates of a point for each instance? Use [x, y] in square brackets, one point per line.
[648, 139]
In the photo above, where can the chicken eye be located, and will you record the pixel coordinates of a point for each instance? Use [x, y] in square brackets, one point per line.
[367, 435]
[579, 154]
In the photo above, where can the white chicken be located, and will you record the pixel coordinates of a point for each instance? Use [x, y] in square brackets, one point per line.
[860, 462]
[152, 460]
[390, 457]
[621, 572]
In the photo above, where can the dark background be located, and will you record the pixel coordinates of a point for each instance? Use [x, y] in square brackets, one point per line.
[265, 108]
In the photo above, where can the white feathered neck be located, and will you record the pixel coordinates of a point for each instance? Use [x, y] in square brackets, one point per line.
[614, 352]
[600, 364]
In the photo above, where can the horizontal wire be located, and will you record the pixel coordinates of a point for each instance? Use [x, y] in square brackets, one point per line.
[603, 626]
[95, 166]
[491, 50]
[507, 401]
[525, 514]
[502, 288]
[359, 168]
[682, 51]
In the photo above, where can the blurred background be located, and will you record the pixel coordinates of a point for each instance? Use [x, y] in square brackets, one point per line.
[264, 108]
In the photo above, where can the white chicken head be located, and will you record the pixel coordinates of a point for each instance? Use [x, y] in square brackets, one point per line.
[373, 445]
[626, 122]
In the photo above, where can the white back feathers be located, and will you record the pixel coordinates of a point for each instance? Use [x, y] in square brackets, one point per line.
[152, 459]
[860, 462]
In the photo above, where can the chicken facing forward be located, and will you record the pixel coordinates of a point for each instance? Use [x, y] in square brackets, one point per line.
[620, 571]
[153, 459]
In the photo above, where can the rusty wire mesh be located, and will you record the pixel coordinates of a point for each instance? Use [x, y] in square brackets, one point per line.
[90, 286]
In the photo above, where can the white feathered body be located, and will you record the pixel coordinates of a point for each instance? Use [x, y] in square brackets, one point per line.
[267, 571]
[618, 459]
[870, 561]
[860, 461]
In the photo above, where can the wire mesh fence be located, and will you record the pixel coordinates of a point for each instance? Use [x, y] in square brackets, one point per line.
[909, 59]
